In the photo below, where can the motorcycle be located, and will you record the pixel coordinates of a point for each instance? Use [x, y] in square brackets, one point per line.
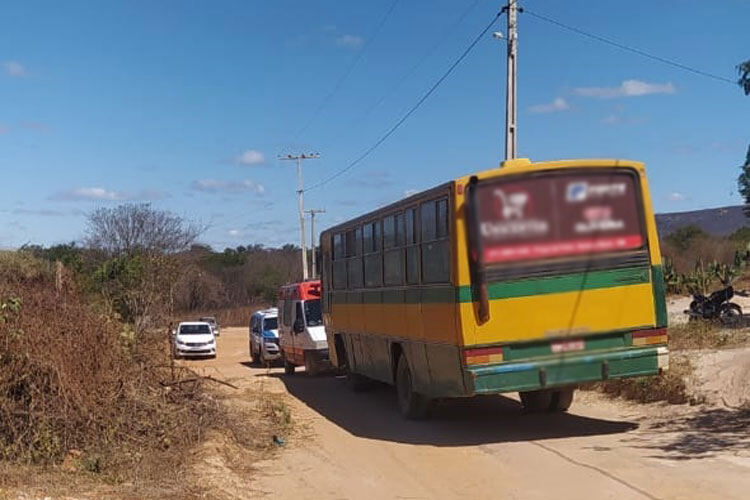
[718, 305]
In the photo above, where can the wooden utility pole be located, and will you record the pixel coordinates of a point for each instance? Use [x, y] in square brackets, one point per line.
[298, 158]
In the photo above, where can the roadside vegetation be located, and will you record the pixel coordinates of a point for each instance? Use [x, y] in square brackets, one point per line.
[694, 262]
[86, 378]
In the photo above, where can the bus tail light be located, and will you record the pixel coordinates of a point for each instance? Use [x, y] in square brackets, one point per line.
[483, 356]
[649, 337]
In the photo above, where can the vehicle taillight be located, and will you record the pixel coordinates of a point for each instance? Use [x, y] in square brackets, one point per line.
[483, 356]
[649, 337]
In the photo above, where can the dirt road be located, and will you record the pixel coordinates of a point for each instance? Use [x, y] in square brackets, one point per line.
[356, 446]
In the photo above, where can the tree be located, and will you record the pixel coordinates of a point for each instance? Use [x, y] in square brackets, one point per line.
[683, 237]
[138, 260]
[138, 228]
[744, 82]
[743, 182]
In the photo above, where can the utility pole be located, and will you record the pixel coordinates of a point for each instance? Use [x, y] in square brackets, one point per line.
[298, 158]
[312, 213]
[510, 89]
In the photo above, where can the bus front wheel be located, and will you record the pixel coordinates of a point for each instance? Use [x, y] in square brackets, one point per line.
[412, 405]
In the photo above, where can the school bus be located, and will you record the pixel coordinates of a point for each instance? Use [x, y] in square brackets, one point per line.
[531, 277]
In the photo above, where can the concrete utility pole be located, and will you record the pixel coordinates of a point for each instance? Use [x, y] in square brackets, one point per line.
[510, 89]
[312, 213]
[298, 158]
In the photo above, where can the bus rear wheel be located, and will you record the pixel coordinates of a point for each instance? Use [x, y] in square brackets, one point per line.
[551, 400]
[562, 399]
[355, 381]
[536, 401]
[413, 405]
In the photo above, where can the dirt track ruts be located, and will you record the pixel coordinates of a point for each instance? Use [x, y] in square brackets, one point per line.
[357, 446]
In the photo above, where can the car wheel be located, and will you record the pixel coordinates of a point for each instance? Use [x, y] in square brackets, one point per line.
[413, 406]
[253, 357]
[288, 367]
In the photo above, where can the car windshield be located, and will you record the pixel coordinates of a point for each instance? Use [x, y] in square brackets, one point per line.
[270, 324]
[312, 313]
[194, 329]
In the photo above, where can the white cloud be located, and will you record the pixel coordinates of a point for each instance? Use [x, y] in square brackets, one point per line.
[350, 41]
[234, 232]
[558, 104]
[103, 194]
[250, 157]
[675, 196]
[628, 88]
[91, 193]
[611, 119]
[216, 185]
[15, 68]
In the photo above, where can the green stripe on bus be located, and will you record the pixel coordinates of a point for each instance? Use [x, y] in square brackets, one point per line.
[560, 284]
[660, 295]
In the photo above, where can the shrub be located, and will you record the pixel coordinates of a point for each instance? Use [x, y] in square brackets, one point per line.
[68, 382]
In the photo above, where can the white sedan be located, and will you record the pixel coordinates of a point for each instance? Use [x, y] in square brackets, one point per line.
[194, 338]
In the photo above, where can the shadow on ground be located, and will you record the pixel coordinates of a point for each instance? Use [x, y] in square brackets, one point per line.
[701, 434]
[460, 422]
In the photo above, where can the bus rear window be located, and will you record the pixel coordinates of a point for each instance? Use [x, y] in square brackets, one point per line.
[556, 216]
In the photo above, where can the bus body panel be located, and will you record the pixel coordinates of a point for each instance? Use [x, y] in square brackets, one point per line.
[532, 322]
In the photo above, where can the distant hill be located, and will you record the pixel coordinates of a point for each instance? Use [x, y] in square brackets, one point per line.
[720, 221]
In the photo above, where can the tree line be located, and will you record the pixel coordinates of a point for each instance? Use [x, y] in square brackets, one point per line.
[145, 265]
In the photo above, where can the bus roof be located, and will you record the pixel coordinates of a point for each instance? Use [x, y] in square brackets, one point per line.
[305, 290]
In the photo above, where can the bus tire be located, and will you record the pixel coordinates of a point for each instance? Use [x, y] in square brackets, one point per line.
[561, 399]
[288, 367]
[412, 405]
[355, 381]
[536, 401]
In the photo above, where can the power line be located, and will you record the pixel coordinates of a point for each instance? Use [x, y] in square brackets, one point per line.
[634, 50]
[348, 71]
[426, 55]
[411, 111]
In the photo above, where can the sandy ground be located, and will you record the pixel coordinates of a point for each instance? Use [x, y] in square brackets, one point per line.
[356, 446]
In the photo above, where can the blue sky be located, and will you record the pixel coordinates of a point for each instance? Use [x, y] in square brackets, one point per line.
[187, 104]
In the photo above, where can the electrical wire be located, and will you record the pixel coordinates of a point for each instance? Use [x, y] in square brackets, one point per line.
[347, 72]
[627, 48]
[410, 112]
[426, 55]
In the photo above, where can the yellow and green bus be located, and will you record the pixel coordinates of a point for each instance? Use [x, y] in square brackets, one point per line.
[531, 277]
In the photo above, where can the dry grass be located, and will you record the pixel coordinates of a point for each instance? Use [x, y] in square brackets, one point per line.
[668, 386]
[79, 392]
[706, 335]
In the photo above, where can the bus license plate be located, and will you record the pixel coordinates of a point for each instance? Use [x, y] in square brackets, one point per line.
[567, 346]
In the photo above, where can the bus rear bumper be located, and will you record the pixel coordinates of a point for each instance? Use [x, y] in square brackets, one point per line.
[568, 370]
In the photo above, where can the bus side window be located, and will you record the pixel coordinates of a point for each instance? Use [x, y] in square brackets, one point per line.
[412, 248]
[435, 242]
